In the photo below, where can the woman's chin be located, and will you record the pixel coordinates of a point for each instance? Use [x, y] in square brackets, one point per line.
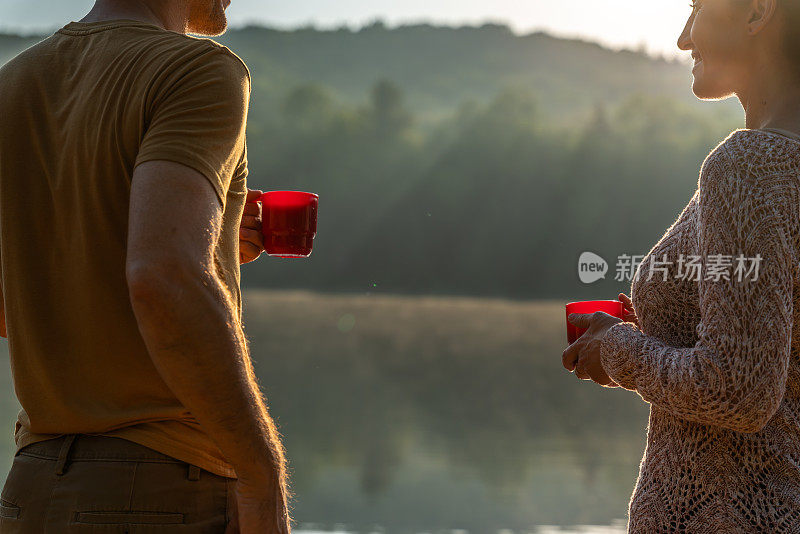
[704, 90]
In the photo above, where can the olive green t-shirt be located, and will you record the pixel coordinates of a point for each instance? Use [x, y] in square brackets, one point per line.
[78, 112]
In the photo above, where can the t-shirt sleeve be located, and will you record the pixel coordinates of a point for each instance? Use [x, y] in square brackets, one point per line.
[198, 119]
[735, 376]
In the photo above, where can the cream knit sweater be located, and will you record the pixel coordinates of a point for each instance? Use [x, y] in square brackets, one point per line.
[715, 358]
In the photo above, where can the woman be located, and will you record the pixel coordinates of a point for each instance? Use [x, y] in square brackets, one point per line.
[713, 351]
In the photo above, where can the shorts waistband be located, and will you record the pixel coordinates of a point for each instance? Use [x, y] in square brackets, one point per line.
[78, 447]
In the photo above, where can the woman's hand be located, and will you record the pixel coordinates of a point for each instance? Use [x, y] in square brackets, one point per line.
[251, 241]
[629, 312]
[583, 356]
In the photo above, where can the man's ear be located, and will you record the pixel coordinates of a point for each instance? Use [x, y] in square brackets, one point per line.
[761, 13]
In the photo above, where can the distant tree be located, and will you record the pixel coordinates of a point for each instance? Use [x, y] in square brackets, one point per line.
[309, 107]
[390, 117]
[375, 25]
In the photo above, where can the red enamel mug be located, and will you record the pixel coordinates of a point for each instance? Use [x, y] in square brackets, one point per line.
[611, 307]
[288, 222]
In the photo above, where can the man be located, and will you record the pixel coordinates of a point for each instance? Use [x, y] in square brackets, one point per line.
[122, 204]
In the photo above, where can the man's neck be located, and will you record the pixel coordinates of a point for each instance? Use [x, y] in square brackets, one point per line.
[167, 15]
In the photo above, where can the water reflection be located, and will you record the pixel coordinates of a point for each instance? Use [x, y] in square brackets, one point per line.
[412, 415]
[440, 414]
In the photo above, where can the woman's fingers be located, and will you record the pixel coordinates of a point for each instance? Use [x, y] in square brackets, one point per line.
[598, 374]
[581, 371]
[581, 320]
[630, 316]
[627, 303]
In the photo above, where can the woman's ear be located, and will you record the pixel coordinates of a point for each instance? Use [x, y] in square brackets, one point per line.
[760, 14]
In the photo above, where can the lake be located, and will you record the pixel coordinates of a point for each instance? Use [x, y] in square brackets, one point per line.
[427, 415]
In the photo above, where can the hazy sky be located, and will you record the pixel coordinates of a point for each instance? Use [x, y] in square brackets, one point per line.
[629, 23]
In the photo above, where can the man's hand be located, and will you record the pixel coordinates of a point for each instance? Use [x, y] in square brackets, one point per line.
[258, 509]
[583, 356]
[251, 241]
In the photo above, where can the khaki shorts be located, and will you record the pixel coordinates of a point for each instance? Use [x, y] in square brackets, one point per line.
[96, 484]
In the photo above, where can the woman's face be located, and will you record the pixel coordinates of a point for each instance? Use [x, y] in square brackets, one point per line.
[716, 33]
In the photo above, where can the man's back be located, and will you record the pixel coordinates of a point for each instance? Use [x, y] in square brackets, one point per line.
[79, 112]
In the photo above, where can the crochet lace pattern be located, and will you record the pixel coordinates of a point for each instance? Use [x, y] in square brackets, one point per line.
[715, 358]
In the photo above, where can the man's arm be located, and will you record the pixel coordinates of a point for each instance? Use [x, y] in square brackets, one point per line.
[188, 320]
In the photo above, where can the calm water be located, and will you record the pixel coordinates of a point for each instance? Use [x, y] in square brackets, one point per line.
[424, 415]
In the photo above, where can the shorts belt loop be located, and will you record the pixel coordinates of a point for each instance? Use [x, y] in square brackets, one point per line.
[63, 454]
[194, 472]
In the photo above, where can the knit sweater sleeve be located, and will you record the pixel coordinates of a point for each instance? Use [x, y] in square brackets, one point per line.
[735, 375]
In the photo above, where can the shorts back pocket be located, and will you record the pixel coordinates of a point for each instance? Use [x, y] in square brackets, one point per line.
[8, 510]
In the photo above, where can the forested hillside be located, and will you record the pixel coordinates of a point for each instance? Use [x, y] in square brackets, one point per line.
[440, 67]
[468, 160]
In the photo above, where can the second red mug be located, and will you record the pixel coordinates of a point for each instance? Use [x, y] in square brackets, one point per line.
[611, 307]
